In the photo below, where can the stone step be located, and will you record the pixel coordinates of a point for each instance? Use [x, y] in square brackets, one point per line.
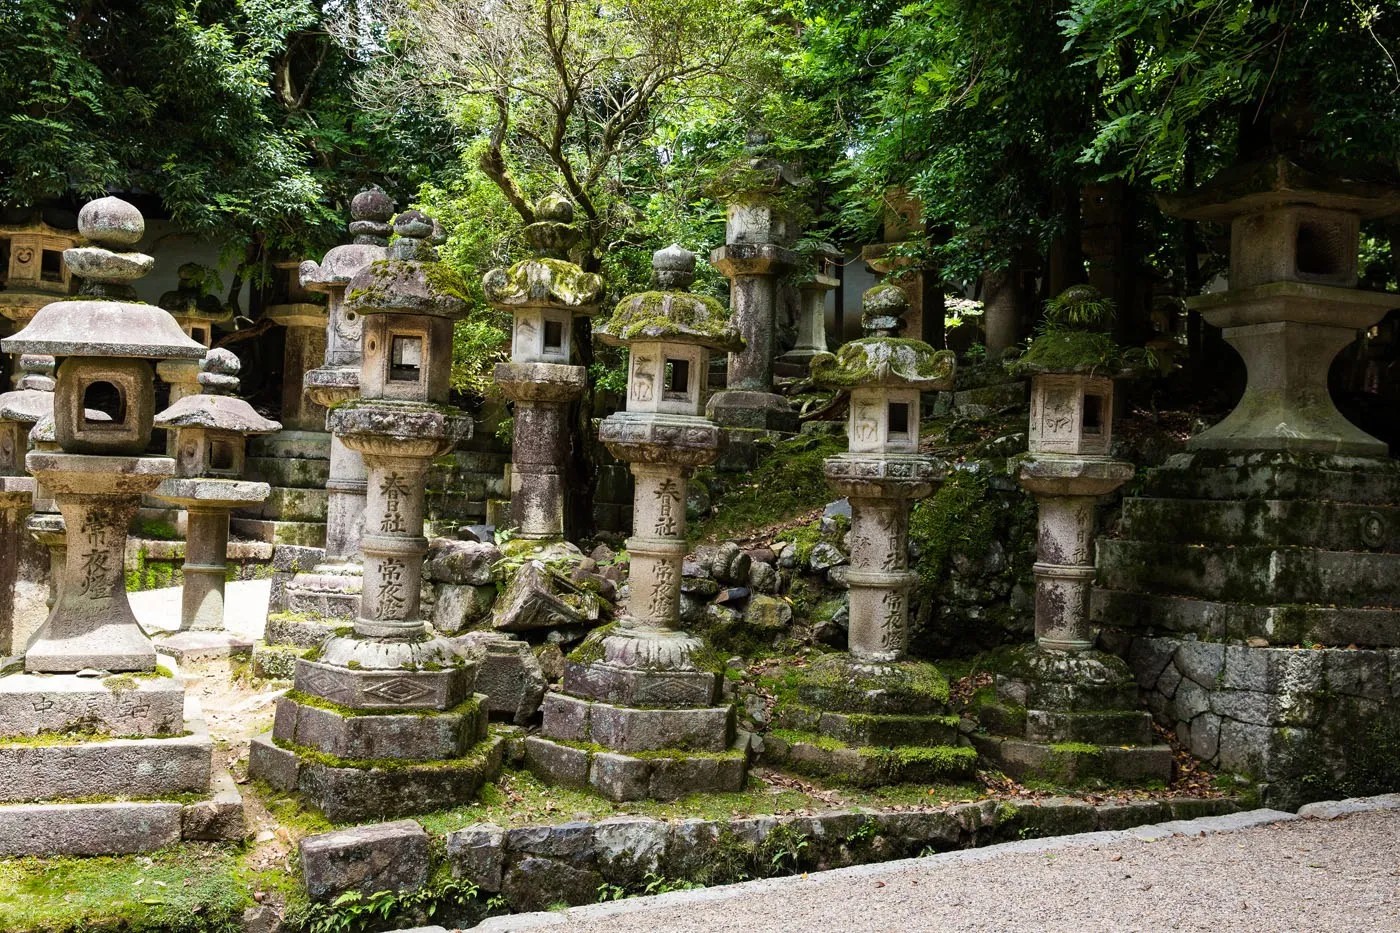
[889, 729]
[288, 471]
[625, 729]
[1333, 526]
[305, 534]
[867, 765]
[1220, 475]
[641, 776]
[1258, 575]
[1277, 624]
[623, 686]
[144, 768]
[347, 791]
[128, 705]
[1100, 727]
[1074, 763]
[355, 735]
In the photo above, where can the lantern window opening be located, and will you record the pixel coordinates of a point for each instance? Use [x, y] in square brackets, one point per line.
[51, 265]
[1092, 420]
[677, 384]
[105, 398]
[405, 358]
[221, 454]
[554, 335]
[1319, 248]
[4, 260]
[198, 335]
[899, 421]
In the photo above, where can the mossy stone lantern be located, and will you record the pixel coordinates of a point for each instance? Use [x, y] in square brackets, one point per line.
[104, 346]
[882, 471]
[643, 688]
[209, 430]
[428, 720]
[544, 294]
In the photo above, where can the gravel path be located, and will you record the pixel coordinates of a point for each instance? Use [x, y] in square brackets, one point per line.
[1310, 876]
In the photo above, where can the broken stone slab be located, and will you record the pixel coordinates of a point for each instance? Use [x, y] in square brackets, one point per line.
[539, 598]
[217, 819]
[460, 606]
[366, 859]
[141, 767]
[192, 646]
[87, 829]
[470, 563]
[508, 674]
[126, 705]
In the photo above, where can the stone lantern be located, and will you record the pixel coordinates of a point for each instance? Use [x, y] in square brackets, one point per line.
[196, 312]
[811, 319]
[328, 594]
[99, 474]
[209, 429]
[544, 294]
[902, 221]
[758, 234]
[35, 274]
[1065, 711]
[392, 665]
[102, 424]
[878, 714]
[23, 566]
[650, 687]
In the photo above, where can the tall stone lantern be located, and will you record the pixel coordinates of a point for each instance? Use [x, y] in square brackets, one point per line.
[872, 704]
[1065, 711]
[330, 591]
[759, 231]
[415, 688]
[99, 474]
[544, 294]
[209, 431]
[811, 321]
[23, 560]
[645, 685]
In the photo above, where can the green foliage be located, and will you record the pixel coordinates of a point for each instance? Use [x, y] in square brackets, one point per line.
[787, 482]
[352, 911]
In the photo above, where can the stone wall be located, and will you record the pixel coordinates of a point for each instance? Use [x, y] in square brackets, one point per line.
[151, 565]
[1303, 722]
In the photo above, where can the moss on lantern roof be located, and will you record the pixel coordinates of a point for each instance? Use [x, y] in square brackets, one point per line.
[1074, 337]
[407, 286]
[671, 317]
[885, 361]
[542, 281]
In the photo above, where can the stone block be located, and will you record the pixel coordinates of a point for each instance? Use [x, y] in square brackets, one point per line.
[477, 855]
[534, 600]
[508, 674]
[533, 884]
[460, 606]
[369, 689]
[276, 662]
[411, 737]
[462, 562]
[277, 766]
[1098, 727]
[1201, 661]
[190, 647]
[629, 848]
[1115, 816]
[383, 857]
[298, 632]
[620, 777]
[122, 705]
[302, 534]
[627, 729]
[288, 472]
[1362, 674]
[889, 729]
[567, 842]
[677, 776]
[218, 819]
[916, 831]
[555, 763]
[88, 829]
[139, 768]
[627, 687]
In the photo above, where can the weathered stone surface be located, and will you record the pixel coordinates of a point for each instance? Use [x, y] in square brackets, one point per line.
[619, 777]
[217, 819]
[87, 829]
[477, 855]
[627, 729]
[462, 562]
[542, 884]
[460, 606]
[145, 767]
[384, 857]
[30, 704]
[555, 763]
[626, 687]
[414, 737]
[535, 599]
[383, 689]
[277, 766]
[630, 846]
[568, 842]
[507, 673]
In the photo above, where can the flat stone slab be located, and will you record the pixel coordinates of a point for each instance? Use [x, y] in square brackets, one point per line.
[1336, 809]
[346, 794]
[626, 729]
[622, 777]
[411, 737]
[382, 689]
[366, 859]
[870, 766]
[122, 705]
[88, 828]
[1021, 759]
[624, 686]
[192, 646]
[134, 768]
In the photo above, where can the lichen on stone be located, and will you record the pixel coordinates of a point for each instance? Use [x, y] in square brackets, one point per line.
[671, 317]
[885, 361]
[544, 281]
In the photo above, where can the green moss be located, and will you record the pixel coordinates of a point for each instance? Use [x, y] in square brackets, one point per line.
[466, 707]
[192, 888]
[74, 736]
[671, 315]
[786, 482]
[884, 361]
[472, 761]
[1076, 748]
[1071, 351]
[158, 530]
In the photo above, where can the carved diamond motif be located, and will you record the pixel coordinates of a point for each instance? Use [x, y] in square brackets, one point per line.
[398, 690]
